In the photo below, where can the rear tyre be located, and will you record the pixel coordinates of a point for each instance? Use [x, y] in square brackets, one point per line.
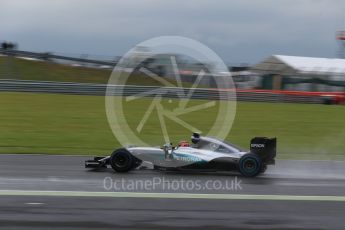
[121, 160]
[250, 165]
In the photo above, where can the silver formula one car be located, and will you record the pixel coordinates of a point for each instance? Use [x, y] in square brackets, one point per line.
[204, 154]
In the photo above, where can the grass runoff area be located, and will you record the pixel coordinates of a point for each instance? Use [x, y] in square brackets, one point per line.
[17, 68]
[71, 124]
[22, 69]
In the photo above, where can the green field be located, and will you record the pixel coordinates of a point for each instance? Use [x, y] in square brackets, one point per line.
[16, 68]
[69, 124]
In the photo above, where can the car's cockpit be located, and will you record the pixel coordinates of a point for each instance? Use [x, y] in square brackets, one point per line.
[209, 143]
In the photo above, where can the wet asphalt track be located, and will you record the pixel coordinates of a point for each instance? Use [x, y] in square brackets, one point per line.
[299, 180]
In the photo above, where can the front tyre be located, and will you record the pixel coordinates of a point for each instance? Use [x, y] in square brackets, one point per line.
[121, 160]
[250, 165]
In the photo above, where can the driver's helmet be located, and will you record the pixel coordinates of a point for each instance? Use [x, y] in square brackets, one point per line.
[183, 144]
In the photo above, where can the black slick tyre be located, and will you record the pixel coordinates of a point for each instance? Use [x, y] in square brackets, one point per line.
[250, 165]
[121, 160]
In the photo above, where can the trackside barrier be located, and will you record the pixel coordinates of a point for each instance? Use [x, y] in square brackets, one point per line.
[9, 85]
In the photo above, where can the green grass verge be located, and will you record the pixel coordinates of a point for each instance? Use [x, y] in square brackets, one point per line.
[70, 124]
[16, 68]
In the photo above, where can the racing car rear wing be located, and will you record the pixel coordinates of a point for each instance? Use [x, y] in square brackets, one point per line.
[265, 147]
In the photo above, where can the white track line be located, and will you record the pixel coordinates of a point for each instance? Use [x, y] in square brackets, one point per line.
[170, 195]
